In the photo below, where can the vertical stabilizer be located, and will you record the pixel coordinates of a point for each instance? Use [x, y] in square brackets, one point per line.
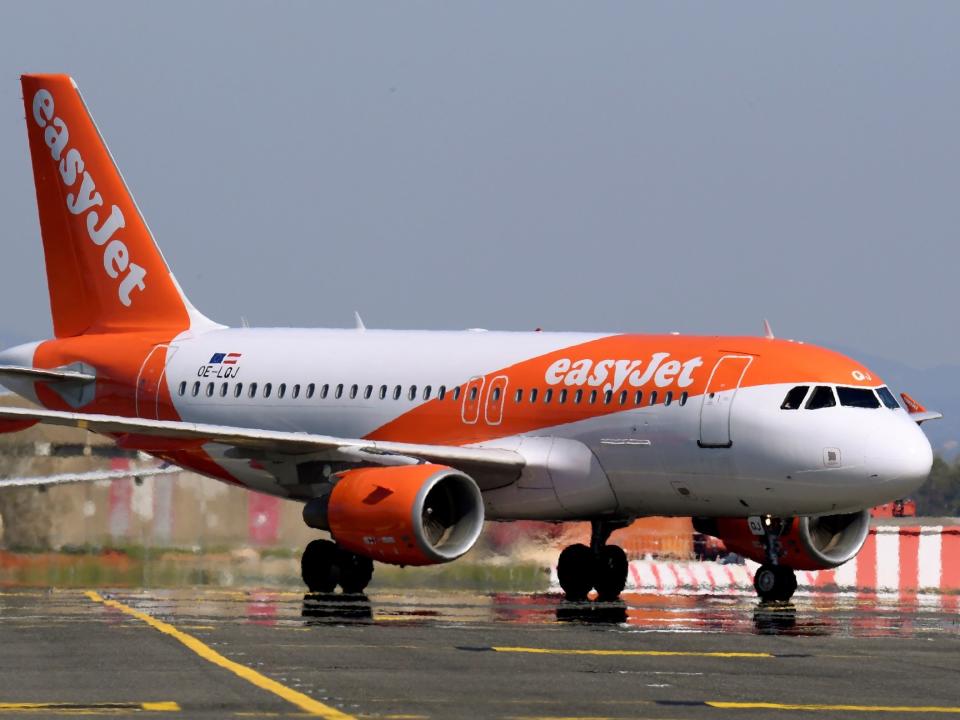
[104, 270]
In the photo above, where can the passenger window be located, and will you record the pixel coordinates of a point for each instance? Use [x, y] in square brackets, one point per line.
[683, 398]
[607, 397]
[578, 396]
[456, 393]
[338, 393]
[282, 390]
[383, 392]
[353, 391]
[367, 392]
[442, 392]
[324, 391]
[426, 392]
[638, 398]
[397, 392]
[821, 397]
[196, 389]
[562, 398]
[858, 397]
[223, 389]
[533, 395]
[653, 397]
[412, 395]
[519, 396]
[183, 388]
[496, 394]
[210, 389]
[794, 398]
[548, 395]
[311, 388]
[668, 397]
[885, 395]
[267, 388]
[295, 392]
[623, 397]
[252, 392]
[238, 390]
[593, 396]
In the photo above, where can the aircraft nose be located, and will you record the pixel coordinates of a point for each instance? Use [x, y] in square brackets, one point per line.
[902, 457]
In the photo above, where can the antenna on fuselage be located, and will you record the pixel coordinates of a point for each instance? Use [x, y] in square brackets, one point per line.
[359, 321]
[767, 330]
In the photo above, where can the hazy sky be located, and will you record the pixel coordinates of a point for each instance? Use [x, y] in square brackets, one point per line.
[588, 166]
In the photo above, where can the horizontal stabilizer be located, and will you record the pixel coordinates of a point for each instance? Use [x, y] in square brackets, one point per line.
[44, 375]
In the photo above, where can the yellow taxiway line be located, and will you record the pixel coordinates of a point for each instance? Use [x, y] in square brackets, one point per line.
[832, 708]
[628, 653]
[88, 708]
[300, 700]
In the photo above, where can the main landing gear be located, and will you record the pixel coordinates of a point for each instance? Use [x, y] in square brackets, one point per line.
[772, 581]
[324, 566]
[602, 567]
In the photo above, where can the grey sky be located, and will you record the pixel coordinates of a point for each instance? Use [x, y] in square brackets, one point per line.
[587, 166]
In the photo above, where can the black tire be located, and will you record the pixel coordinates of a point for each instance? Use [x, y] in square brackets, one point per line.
[766, 581]
[610, 573]
[575, 570]
[786, 583]
[319, 568]
[356, 572]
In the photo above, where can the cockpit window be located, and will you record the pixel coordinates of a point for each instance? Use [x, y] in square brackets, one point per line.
[887, 397]
[858, 397]
[821, 397]
[795, 397]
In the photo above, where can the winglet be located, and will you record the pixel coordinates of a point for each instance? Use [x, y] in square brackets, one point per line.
[359, 321]
[917, 411]
[767, 330]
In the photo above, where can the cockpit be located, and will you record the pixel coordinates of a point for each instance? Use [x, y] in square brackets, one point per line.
[818, 397]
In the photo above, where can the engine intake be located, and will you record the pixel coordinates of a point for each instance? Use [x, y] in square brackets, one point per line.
[410, 515]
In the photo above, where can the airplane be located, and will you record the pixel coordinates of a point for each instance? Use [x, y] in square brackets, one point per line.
[401, 443]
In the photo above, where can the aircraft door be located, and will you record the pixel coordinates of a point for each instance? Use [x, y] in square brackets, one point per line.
[493, 411]
[718, 398]
[470, 412]
[149, 397]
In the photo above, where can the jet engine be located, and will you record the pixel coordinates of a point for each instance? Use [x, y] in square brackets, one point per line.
[406, 515]
[807, 543]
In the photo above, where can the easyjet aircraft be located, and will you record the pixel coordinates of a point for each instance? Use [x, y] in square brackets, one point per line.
[400, 444]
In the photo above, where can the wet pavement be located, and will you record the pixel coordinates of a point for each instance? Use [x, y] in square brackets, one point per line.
[421, 654]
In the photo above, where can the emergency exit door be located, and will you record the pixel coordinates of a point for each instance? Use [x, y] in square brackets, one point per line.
[718, 399]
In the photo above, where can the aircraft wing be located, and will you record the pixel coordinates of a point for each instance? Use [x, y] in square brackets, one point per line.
[155, 435]
[45, 375]
[917, 411]
[67, 478]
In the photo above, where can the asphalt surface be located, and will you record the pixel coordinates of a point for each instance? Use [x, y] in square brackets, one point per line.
[201, 653]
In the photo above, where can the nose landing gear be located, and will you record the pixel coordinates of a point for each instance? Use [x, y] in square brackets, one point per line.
[323, 566]
[772, 581]
[601, 567]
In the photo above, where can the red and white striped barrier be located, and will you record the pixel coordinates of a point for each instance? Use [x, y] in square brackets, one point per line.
[893, 559]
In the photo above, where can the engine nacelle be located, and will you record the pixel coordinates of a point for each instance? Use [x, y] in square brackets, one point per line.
[808, 543]
[409, 515]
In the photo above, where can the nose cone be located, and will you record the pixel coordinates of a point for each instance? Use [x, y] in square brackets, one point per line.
[901, 457]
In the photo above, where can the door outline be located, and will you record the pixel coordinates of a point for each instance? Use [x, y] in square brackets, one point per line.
[493, 409]
[470, 410]
[142, 393]
[708, 396]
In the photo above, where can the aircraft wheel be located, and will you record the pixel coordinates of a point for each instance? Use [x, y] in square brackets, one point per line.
[356, 571]
[610, 573]
[774, 583]
[575, 569]
[318, 566]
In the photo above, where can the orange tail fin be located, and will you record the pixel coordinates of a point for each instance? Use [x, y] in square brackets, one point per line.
[104, 270]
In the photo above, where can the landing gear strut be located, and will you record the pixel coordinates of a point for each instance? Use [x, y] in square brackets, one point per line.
[774, 582]
[602, 567]
[323, 566]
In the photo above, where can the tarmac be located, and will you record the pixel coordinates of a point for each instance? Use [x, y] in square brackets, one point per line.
[201, 653]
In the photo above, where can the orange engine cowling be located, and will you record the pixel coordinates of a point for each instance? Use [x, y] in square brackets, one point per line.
[407, 515]
[807, 543]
